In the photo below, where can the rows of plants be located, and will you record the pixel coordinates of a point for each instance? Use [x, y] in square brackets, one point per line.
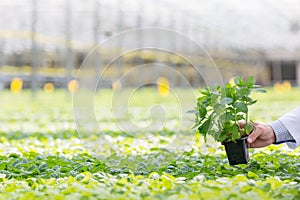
[44, 158]
[271, 173]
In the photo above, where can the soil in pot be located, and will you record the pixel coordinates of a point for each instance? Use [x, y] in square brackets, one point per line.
[237, 151]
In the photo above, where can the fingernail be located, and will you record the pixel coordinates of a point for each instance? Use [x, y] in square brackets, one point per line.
[249, 140]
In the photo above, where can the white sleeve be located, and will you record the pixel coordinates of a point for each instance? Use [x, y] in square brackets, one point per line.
[291, 121]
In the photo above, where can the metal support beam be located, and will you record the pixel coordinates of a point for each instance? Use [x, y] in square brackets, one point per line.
[34, 52]
[96, 55]
[276, 70]
[68, 35]
[298, 73]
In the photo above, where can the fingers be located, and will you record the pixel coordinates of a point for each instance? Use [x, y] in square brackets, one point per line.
[261, 136]
[241, 124]
[254, 135]
[257, 144]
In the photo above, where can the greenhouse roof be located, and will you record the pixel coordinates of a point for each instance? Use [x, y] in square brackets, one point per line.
[232, 24]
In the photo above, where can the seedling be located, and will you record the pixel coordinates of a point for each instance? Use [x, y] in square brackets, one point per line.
[220, 108]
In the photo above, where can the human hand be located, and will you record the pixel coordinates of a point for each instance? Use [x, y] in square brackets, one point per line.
[261, 136]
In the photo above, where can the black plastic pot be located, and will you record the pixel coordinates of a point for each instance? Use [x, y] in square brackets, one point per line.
[237, 151]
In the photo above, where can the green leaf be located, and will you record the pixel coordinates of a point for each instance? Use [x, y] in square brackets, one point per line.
[234, 130]
[193, 111]
[216, 93]
[240, 117]
[237, 80]
[226, 100]
[243, 92]
[206, 91]
[241, 107]
[222, 138]
[219, 109]
[229, 91]
[252, 175]
[252, 102]
[202, 111]
[259, 90]
[250, 82]
[248, 128]
[202, 99]
[215, 134]
[229, 116]
[214, 100]
[203, 128]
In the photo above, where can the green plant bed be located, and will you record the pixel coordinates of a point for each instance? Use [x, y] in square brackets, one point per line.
[40, 157]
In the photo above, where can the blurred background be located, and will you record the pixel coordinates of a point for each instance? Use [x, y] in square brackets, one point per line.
[43, 43]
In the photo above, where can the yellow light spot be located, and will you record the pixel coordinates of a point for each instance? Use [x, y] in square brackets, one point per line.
[284, 87]
[16, 85]
[231, 81]
[49, 87]
[287, 86]
[163, 86]
[116, 85]
[73, 86]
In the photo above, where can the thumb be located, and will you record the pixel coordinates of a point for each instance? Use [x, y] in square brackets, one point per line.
[253, 136]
